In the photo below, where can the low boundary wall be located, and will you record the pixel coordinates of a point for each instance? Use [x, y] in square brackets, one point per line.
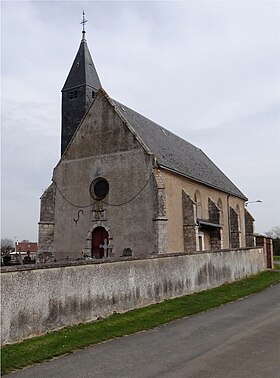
[40, 299]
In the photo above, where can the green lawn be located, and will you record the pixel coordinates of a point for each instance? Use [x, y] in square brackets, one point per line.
[38, 349]
[276, 258]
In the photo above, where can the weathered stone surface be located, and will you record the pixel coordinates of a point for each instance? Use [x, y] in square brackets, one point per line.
[189, 223]
[48, 204]
[160, 220]
[249, 229]
[144, 209]
[103, 147]
[234, 229]
[46, 224]
[35, 301]
[214, 233]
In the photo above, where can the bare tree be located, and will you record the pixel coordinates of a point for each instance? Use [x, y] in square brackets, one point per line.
[7, 246]
[274, 233]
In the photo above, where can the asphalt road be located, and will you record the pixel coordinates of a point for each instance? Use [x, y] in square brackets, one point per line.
[238, 340]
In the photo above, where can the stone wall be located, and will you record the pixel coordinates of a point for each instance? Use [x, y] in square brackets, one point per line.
[215, 239]
[40, 299]
[266, 243]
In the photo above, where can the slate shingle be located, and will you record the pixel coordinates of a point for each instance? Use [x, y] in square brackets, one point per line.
[83, 71]
[176, 154]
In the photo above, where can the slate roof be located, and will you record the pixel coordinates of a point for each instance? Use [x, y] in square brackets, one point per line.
[176, 154]
[83, 70]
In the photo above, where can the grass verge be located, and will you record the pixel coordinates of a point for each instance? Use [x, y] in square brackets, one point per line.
[38, 349]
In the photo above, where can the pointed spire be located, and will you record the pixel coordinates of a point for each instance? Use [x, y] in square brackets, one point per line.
[79, 90]
[83, 22]
[83, 71]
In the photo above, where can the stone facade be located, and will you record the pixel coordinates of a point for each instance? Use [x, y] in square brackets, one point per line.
[47, 225]
[249, 229]
[200, 197]
[163, 194]
[133, 210]
[142, 206]
[214, 212]
[189, 223]
[234, 229]
[215, 233]
[160, 220]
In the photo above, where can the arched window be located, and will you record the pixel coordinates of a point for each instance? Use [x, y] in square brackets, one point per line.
[221, 210]
[197, 200]
[237, 209]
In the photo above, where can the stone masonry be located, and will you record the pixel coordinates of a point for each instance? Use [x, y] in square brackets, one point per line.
[234, 229]
[249, 229]
[160, 220]
[60, 295]
[46, 224]
[189, 223]
[215, 233]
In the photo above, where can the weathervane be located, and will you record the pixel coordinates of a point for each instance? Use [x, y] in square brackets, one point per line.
[83, 23]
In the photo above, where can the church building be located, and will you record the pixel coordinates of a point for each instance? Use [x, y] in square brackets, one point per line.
[126, 186]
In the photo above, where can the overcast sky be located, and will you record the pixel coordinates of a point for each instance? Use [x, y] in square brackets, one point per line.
[207, 71]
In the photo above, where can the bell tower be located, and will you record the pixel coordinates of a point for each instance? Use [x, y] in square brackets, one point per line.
[78, 92]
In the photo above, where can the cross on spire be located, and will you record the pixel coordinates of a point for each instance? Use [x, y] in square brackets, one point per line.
[83, 22]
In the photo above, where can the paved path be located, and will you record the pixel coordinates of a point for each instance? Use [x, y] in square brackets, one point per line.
[238, 340]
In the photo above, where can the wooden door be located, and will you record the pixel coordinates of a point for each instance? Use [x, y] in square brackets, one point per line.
[99, 234]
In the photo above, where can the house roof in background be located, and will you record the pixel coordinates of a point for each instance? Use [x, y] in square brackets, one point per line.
[26, 246]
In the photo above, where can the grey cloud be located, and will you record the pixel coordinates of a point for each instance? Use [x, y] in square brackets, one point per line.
[207, 71]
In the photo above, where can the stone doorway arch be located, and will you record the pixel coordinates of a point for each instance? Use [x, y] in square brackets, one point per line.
[88, 250]
[99, 243]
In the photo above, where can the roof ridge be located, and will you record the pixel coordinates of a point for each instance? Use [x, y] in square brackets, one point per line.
[176, 154]
[161, 127]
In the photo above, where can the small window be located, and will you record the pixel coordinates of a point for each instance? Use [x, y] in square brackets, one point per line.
[92, 94]
[73, 94]
[99, 188]
[200, 242]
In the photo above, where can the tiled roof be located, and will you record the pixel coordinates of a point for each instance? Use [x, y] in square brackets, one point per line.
[176, 154]
[27, 246]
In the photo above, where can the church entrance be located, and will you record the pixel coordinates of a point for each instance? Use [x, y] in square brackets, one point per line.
[99, 243]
